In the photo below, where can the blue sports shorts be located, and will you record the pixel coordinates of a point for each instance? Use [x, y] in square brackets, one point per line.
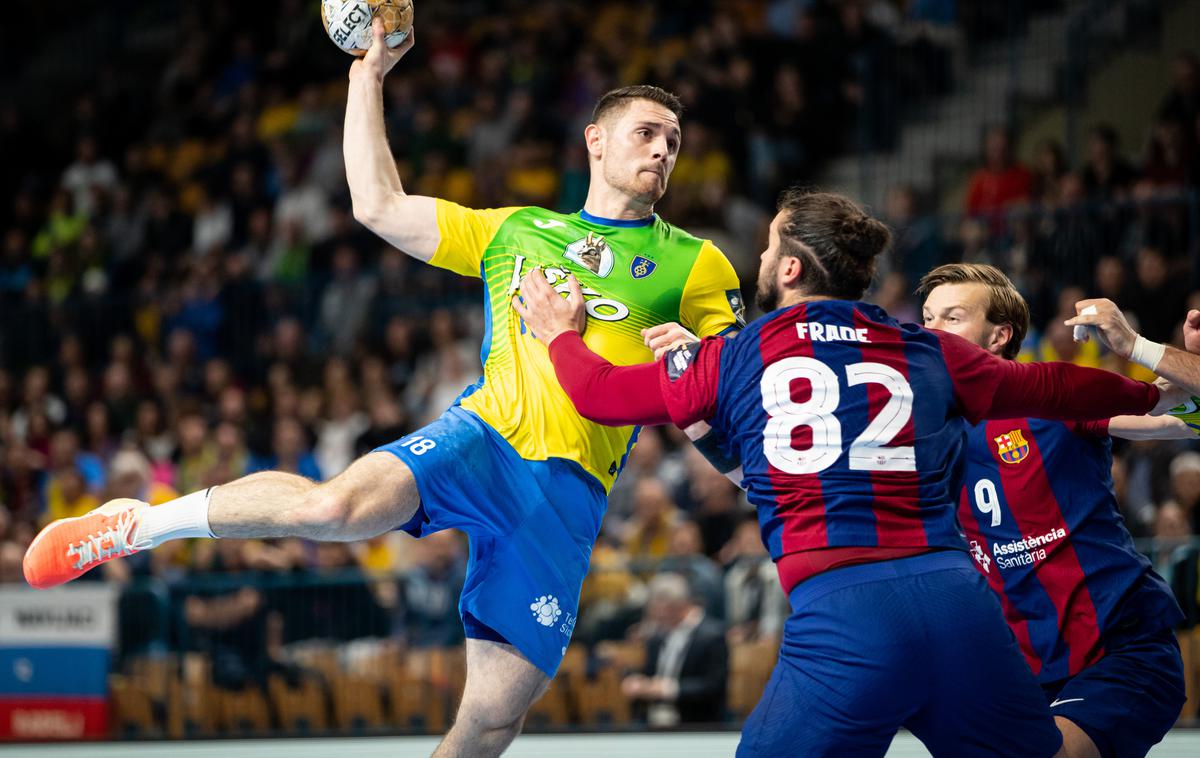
[531, 526]
[1128, 700]
[916, 642]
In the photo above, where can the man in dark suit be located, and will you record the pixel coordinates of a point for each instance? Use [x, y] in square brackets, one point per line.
[687, 662]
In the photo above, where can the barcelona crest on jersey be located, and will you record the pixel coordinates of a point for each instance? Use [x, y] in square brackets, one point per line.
[1012, 447]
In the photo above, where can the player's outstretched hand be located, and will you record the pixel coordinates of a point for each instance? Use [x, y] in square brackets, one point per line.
[380, 58]
[1191, 332]
[545, 311]
[1108, 321]
[665, 337]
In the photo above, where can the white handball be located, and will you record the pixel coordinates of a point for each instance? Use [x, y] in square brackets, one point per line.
[348, 22]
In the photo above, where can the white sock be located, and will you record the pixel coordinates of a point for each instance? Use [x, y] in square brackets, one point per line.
[176, 519]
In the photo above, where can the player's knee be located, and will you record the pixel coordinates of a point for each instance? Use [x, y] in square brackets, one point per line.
[493, 714]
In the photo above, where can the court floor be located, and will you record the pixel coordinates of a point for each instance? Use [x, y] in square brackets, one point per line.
[1178, 744]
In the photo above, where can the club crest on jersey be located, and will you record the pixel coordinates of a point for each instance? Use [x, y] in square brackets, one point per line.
[593, 253]
[1012, 447]
[641, 267]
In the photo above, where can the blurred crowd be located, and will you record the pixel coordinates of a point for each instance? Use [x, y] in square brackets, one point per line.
[186, 298]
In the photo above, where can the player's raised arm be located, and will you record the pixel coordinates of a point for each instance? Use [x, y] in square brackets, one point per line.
[407, 221]
[989, 387]
[1181, 368]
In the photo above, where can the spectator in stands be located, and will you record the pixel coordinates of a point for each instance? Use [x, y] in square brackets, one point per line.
[1002, 181]
[1159, 298]
[685, 557]
[655, 518]
[1170, 158]
[1107, 175]
[1182, 103]
[687, 661]
[428, 606]
[916, 245]
[1185, 487]
[755, 604]
[1049, 167]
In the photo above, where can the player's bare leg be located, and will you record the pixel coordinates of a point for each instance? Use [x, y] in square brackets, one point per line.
[375, 494]
[501, 686]
[1076, 742]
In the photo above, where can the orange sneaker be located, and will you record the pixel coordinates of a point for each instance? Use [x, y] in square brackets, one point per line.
[70, 547]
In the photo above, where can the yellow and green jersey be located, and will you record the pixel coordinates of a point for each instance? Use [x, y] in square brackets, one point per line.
[634, 274]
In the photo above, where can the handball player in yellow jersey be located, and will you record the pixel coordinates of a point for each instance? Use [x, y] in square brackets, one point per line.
[511, 463]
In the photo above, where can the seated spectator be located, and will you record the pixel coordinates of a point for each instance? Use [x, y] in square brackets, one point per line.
[755, 604]
[654, 520]
[1000, 182]
[687, 661]
[429, 590]
[685, 557]
[129, 476]
[1107, 175]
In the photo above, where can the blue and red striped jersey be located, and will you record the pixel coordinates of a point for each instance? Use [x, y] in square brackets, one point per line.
[1039, 511]
[837, 448]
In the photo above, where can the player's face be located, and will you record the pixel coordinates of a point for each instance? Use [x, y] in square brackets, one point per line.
[639, 150]
[766, 295]
[960, 309]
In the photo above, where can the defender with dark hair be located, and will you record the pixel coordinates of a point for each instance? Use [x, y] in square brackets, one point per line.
[848, 426]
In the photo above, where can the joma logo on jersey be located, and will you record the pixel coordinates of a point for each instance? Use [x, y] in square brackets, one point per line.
[1012, 447]
[600, 308]
[593, 253]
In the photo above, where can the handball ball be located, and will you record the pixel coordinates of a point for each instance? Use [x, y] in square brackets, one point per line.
[348, 22]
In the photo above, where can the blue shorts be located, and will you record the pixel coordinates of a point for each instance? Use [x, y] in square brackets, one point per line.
[1127, 700]
[917, 642]
[531, 526]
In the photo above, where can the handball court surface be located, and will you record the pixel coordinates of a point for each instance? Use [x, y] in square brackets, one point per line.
[1180, 743]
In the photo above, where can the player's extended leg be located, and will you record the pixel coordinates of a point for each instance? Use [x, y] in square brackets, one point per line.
[375, 494]
[501, 686]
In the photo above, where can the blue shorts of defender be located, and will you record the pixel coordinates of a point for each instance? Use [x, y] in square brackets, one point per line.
[918, 643]
[531, 526]
[1128, 700]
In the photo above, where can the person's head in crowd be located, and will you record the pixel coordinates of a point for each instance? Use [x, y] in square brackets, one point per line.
[288, 339]
[289, 442]
[385, 412]
[166, 380]
[77, 387]
[337, 374]
[229, 440]
[1151, 266]
[1110, 277]
[98, 426]
[218, 375]
[647, 454]
[345, 263]
[997, 148]
[1185, 479]
[333, 556]
[901, 205]
[64, 447]
[1071, 190]
[192, 431]
[72, 485]
[651, 501]
[70, 352]
[231, 405]
[343, 402]
[181, 347]
[443, 332]
[123, 349]
[1171, 523]
[37, 385]
[669, 600]
[686, 539]
[1050, 160]
[1185, 73]
[285, 401]
[128, 475]
[1103, 143]
[11, 555]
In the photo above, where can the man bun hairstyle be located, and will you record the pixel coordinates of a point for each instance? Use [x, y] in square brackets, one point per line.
[1005, 304]
[836, 240]
[614, 102]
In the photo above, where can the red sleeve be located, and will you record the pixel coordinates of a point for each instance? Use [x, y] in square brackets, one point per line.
[604, 393]
[689, 381]
[1095, 429]
[990, 387]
